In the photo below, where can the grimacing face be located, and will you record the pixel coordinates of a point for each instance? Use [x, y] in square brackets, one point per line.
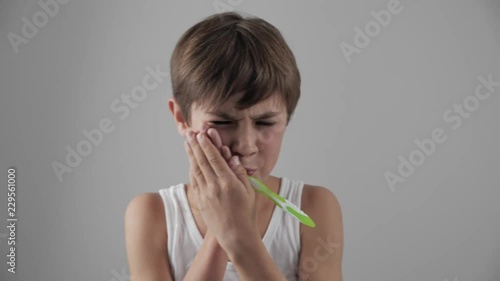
[254, 134]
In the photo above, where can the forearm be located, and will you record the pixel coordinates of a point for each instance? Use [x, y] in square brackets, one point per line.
[210, 261]
[252, 260]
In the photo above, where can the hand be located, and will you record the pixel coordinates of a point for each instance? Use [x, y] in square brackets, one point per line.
[217, 141]
[223, 192]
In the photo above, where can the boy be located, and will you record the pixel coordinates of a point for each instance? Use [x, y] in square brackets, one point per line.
[236, 85]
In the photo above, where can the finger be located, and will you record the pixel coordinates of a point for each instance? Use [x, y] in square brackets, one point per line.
[226, 153]
[192, 179]
[210, 159]
[216, 140]
[240, 172]
[194, 185]
[204, 161]
[195, 169]
[214, 136]
[224, 150]
[204, 129]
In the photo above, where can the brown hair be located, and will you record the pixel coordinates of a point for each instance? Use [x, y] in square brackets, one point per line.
[225, 54]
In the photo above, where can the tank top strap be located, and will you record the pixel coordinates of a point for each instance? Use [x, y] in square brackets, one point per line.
[290, 226]
[293, 190]
[182, 246]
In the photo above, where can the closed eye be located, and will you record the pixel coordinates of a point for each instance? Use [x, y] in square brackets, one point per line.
[266, 124]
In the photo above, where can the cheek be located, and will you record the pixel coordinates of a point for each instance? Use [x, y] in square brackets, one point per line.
[267, 137]
[271, 138]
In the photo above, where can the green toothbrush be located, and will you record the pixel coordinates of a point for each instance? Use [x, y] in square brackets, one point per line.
[284, 204]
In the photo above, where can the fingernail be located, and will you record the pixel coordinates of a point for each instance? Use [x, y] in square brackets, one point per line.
[189, 135]
[209, 136]
[210, 132]
[236, 161]
[200, 137]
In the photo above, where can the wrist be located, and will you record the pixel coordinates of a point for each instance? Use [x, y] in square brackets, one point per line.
[252, 260]
[213, 244]
[241, 243]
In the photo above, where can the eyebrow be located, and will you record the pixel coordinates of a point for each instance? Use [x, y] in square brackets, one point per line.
[228, 116]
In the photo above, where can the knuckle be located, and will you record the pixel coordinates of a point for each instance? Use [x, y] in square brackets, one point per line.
[203, 163]
[213, 193]
[194, 144]
[213, 159]
[197, 172]
[195, 186]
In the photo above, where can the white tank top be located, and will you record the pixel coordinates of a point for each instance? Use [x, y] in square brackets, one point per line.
[282, 237]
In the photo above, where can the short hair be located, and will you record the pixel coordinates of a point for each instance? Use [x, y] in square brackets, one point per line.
[226, 54]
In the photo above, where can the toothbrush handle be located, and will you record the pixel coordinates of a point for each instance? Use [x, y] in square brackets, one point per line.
[283, 203]
[290, 208]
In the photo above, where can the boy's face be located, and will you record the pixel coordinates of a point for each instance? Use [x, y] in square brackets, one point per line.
[254, 134]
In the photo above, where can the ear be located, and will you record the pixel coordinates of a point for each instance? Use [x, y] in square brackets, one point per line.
[180, 122]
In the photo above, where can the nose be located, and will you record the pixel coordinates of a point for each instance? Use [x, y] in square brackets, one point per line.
[243, 142]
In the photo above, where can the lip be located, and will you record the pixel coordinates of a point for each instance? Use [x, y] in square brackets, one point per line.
[250, 171]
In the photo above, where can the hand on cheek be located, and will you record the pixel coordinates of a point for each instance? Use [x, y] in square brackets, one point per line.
[215, 138]
[223, 193]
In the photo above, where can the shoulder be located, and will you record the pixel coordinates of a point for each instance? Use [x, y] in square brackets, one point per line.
[146, 211]
[146, 238]
[321, 246]
[319, 201]
[148, 202]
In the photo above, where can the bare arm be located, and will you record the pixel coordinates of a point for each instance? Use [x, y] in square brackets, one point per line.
[210, 261]
[147, 250]
[251, 258]
[146, 239]
[322, 247]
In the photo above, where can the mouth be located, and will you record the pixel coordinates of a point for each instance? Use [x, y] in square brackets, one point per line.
[250, 171]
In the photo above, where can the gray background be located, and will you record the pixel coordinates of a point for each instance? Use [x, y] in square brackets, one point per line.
[352, 122]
